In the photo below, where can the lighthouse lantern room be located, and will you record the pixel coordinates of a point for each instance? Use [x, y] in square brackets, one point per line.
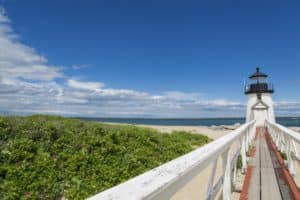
[260, 103]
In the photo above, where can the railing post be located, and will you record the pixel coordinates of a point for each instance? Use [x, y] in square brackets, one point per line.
[274, 133]
[227, 175]
[271, 131]
[286, 145]
[247, 139]
[277, 139]
[235, 163]
[280, 146]
[243, 154]
[295, 153]
[295, 149]
[289, 157]
[253, 132]
[211, 180]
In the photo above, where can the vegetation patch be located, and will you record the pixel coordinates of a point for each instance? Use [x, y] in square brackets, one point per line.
[283, 155]
[46, 157]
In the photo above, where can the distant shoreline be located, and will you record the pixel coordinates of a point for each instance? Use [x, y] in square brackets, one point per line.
[286, 121]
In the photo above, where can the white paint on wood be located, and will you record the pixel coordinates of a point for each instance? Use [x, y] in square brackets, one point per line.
[283, 130]
[227, 175]
[285, 140]
[211, 179]
[260, 110]
[165, 180]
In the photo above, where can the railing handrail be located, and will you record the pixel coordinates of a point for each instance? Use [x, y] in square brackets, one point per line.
[165, 180]
[285, 138]
[288, 132]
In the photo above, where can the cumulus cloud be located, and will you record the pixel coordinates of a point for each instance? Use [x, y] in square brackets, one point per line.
[28, 84]
[21, 61]
[84, 85]
[287, 108]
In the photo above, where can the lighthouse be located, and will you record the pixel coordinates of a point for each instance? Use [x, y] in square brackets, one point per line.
[260, 104]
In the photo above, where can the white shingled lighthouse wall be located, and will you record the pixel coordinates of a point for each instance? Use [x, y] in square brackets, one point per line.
[260, 110]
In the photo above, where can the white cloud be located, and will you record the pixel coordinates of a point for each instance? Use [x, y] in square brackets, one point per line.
[3, 17]
[181, 95]
[21, 61]
[84, 85]
[81, 66]
[29, 85]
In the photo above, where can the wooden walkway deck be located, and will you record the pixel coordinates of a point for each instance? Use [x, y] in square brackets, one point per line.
[265, 181]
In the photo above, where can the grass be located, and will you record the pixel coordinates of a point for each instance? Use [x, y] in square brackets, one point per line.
[47, 157]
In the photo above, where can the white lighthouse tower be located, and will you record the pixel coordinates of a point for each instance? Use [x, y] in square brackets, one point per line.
[260, 104]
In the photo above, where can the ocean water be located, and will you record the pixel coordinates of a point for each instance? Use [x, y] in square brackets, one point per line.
[286, 121]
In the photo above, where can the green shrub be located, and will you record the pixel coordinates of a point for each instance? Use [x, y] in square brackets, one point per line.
[239, 162]
[283, 155]
[47, 157]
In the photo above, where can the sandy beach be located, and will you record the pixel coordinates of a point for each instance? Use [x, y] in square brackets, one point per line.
[197, 187]
[213, 132]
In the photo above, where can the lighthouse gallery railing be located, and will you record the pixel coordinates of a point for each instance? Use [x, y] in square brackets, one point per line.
[164, 181]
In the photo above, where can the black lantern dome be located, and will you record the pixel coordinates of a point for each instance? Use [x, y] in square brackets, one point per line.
[258, 84]
[258, 75]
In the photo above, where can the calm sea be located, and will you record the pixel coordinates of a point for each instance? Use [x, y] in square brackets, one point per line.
[286, 121]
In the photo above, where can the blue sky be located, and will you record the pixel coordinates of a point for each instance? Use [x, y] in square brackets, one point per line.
[146, 58]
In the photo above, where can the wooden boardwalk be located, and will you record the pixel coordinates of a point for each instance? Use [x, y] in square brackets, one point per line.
[265, 181]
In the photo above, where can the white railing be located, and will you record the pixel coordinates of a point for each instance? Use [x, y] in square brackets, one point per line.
[285, 140]
[164, 181]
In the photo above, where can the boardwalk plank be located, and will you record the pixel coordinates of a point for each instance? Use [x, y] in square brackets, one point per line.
[269, 185]
[263, 184]
[254, 189]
